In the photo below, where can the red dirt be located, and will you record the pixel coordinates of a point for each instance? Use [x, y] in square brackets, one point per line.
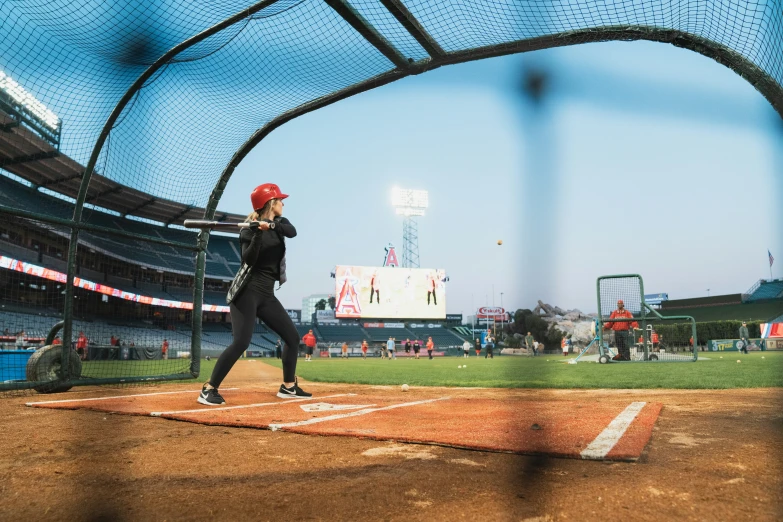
[713, 455]
[562, 428]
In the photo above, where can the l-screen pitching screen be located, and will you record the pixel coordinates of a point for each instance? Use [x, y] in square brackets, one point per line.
[390, 292]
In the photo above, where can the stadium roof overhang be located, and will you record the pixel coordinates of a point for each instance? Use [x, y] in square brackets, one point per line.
[27, 155]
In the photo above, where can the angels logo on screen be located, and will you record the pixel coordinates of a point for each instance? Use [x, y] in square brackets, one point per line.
[386, 292]
[391, 257]
[348, 304]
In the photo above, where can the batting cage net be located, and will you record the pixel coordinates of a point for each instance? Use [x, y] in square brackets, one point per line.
[144, 109]
[630, 330]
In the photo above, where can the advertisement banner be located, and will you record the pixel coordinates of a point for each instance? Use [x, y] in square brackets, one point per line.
[386, 292]
[734, 345]
[655, 299]
[295, 315]
[456, 318]
[771, 330]
[52, 275]
[491, 312]
[325, 316]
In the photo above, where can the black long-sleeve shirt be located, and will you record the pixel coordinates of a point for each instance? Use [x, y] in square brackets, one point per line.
[264, 251]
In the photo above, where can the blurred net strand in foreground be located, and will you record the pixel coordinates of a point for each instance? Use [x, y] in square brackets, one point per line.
[140, 101]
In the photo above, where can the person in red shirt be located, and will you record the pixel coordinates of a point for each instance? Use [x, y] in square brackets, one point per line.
[309, 340]
[81, 346]
[56, 341]
[164, 348]
[364, 349]
[621, 331]
[430, 346]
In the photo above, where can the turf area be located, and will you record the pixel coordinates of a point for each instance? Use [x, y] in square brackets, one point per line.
[551, 372]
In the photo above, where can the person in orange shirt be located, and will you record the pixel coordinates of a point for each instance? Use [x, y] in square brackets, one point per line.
[81, 346]
[621, 331]
[309, 340]
[164, 348]
[430, 346]
[364, 349]
[345, 350]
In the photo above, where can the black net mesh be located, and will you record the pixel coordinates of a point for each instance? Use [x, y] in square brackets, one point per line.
[179, 132]
[65, 67]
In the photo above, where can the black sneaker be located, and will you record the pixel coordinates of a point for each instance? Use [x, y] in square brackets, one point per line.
[294, 392]
[210, 397]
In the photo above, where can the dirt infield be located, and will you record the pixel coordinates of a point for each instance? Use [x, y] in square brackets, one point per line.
[712, 455]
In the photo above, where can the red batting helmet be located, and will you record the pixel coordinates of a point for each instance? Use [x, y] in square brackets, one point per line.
[263, 193]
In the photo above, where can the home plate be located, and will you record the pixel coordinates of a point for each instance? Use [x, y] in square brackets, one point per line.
[325, 406]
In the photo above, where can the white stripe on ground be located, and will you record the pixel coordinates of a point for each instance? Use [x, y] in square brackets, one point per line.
[607, 439]
[256, 405]
[120, 397]
[275, 427]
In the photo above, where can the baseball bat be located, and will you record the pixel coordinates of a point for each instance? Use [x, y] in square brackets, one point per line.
[200, 223]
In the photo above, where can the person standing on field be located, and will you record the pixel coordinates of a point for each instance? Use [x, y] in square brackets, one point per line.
[164, 349]
[466, 349]
[416, 348]
[490, 346]
[430, 346]
[364, 349]
[529, 344]
[344, 350]
[407, 346]
[744, 336]
[622, 329]
[390, 348]
[478, 347]
[309, 341]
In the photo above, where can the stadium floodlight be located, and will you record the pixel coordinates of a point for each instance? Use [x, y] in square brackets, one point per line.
[410, 199]
[28, 101]
[410, 203]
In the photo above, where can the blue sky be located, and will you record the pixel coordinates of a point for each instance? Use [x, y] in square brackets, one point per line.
[658, 161]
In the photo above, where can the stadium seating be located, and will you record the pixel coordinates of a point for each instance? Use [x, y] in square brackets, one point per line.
[16, 195]
[766, 290]
[442, 337]
[383, 334]
[340, 334]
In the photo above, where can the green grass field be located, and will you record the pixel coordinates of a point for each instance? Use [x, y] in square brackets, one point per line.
[506, 372]
[551, 372]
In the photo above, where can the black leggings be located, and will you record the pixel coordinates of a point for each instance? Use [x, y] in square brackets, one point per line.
[244, 310]
[434, 297]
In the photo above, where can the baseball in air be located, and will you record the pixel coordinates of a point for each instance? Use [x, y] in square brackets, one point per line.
[500, 241]
[404, 387]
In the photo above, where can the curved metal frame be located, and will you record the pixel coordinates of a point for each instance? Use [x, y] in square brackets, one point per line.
[722, 54]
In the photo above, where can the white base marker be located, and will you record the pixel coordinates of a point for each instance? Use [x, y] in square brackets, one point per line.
[275, 427]
[120, 397]
[256, 405]
[606, 440]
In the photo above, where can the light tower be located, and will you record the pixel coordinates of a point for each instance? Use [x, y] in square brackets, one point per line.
[410, 203]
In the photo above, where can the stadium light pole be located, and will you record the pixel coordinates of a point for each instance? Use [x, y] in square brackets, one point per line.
[411, 204]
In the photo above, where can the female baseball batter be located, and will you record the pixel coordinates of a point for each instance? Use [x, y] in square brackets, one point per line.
[252, 293]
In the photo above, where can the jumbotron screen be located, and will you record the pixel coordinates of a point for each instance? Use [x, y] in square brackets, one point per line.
[390, 292]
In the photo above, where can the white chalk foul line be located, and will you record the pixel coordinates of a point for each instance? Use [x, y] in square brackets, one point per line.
[316, 420]
[606, 440]
[256, 405]
[118, 397]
